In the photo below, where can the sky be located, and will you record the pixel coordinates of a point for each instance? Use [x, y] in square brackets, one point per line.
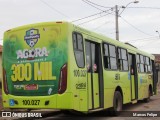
[138, 22]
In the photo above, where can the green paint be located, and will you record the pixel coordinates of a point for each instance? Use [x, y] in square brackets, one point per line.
[53, 40]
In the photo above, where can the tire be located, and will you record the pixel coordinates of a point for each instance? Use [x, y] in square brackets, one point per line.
[117, 104]
[66, 112]
[146, 100]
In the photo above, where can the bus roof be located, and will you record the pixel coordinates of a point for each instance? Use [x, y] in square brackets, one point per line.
[91, 33]
[35, 25]
[112, 41]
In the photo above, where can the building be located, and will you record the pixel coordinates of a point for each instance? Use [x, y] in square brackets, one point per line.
[157, 58]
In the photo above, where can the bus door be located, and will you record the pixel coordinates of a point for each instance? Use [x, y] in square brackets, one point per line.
[133, 77]
[94, 74]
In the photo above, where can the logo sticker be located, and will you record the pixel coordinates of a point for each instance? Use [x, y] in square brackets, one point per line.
[31, 87]
[11, 102]
[49, 91]
[141, 80]
[32, 37]
[18, 87]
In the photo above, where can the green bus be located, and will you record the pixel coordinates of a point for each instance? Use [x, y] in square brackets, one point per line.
[62, 66]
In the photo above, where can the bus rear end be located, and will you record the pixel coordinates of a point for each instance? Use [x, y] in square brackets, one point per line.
[35, 66]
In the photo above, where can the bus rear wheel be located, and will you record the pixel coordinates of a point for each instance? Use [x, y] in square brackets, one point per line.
[117, 104]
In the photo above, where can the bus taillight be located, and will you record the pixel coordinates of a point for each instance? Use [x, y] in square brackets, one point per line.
[5, 82]
[63, 79]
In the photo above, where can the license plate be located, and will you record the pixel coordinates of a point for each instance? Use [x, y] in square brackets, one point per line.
[31, 102]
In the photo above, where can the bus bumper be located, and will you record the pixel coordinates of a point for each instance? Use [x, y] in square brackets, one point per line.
[38, 102]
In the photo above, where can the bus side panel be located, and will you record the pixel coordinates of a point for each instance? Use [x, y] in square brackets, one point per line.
[143, 86]
[71, 78]
[64, 101]
[109, 87]
[108, 97]
[77, 80]
[82, 84]
[125, 86]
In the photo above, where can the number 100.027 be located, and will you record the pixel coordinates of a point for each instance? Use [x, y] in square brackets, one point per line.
[31, 102]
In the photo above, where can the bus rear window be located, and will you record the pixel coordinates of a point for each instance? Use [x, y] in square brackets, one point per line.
[78, 49]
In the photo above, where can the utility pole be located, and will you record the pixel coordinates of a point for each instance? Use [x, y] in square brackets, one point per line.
[116, 19]
[117, 14]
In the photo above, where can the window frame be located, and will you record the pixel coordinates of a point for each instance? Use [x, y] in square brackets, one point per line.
[147, 64]
[144, 63]
[139, 63]
[76, 49]
[121, 59]
[108, 57]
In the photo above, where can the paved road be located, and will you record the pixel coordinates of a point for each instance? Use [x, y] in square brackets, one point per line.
[153, 105]
[145, 108]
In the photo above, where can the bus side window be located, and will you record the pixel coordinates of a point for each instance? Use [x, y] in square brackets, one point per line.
[112, 57]
[147, 65]
[119, 59]
[105, 56]
[122, 59]
[138, 62]
[88, 56]
[109, 56]
[142, 64]
[130, 59]
[80, 42]
[78, 49]
[74, 41]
